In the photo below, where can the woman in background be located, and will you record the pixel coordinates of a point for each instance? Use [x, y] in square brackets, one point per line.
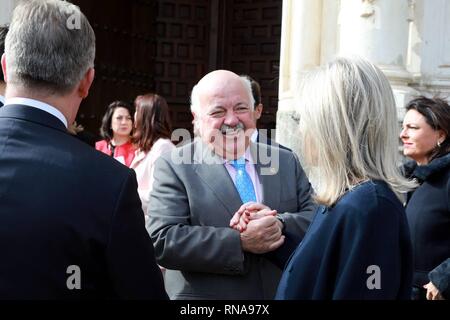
[115, 130]
[152, 138]
[358, 245]
[425, 139]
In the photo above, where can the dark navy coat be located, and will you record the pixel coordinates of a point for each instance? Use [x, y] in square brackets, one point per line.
[68, 212]
[358, 249]
[428, 212]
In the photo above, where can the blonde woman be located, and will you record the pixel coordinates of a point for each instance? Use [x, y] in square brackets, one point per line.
[358, 245]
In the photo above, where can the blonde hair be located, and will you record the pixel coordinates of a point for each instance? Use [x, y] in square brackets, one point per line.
[348, 114]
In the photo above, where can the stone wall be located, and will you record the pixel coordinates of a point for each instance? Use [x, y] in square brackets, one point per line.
[408, 39]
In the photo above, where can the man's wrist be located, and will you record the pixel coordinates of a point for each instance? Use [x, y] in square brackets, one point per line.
[280, 218]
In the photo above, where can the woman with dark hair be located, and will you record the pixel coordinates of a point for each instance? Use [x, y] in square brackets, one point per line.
[152, 138]
[115, 130]
[425, 137]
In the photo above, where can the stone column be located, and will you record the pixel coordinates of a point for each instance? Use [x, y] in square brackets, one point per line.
[379, 30]
[300, 50]
[6, 8]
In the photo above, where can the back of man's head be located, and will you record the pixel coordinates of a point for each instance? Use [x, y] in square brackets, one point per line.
[49, 47]
[256, 89]
[3, 32]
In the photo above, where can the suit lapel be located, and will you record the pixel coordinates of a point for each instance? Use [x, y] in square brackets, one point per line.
[271, 183]
[214, 174]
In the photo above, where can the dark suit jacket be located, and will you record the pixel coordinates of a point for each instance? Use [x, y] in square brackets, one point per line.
[191, 204]
[62, 204]
[345, 244]
[262, 138]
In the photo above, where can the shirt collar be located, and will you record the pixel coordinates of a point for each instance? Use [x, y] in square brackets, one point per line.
[254, 136]
[247, 155]
[2, 99]
[38, 105]
[437, 165]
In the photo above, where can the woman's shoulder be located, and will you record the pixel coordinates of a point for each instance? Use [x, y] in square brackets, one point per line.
[439, 167]
[361, 194]
[369, 199]
[163, 144]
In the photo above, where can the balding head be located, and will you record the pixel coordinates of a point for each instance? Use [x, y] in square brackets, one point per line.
[215, 82]
[222, 105]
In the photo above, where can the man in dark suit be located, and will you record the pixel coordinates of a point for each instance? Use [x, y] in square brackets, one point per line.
[3, 31]
[71, 224]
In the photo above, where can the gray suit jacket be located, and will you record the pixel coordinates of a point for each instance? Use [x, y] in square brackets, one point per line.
[190, 209]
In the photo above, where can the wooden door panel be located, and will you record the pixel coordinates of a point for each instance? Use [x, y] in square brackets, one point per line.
[182, 53]
[124, 64]
[253, 48]
[166, 46]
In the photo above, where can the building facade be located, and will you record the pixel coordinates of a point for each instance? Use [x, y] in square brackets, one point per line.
[168, 45]
[408, 39]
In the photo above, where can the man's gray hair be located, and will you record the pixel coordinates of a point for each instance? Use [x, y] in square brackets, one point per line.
[50, 46]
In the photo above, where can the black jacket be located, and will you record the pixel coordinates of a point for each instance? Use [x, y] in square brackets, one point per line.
[262, 138]
[63, 206]
[428, 211]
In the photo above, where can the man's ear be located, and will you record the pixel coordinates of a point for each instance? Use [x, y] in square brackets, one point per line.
[85, 83]
[4, 67]
[195, 121]
[258, 111]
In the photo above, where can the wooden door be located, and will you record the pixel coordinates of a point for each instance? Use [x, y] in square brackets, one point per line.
[124, 63]
[182, 53]
[251, 46]
[166, 46]
[198, 36]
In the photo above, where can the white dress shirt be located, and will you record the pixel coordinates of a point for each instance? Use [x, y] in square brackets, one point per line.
[254, 136]
[38, 105]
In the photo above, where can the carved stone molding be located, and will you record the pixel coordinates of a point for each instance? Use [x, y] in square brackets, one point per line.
[411, 10]
[368, 9]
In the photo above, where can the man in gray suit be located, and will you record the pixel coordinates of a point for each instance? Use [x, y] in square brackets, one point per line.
[199, 187]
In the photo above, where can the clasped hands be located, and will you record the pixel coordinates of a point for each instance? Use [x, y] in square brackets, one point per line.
[260, 230]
